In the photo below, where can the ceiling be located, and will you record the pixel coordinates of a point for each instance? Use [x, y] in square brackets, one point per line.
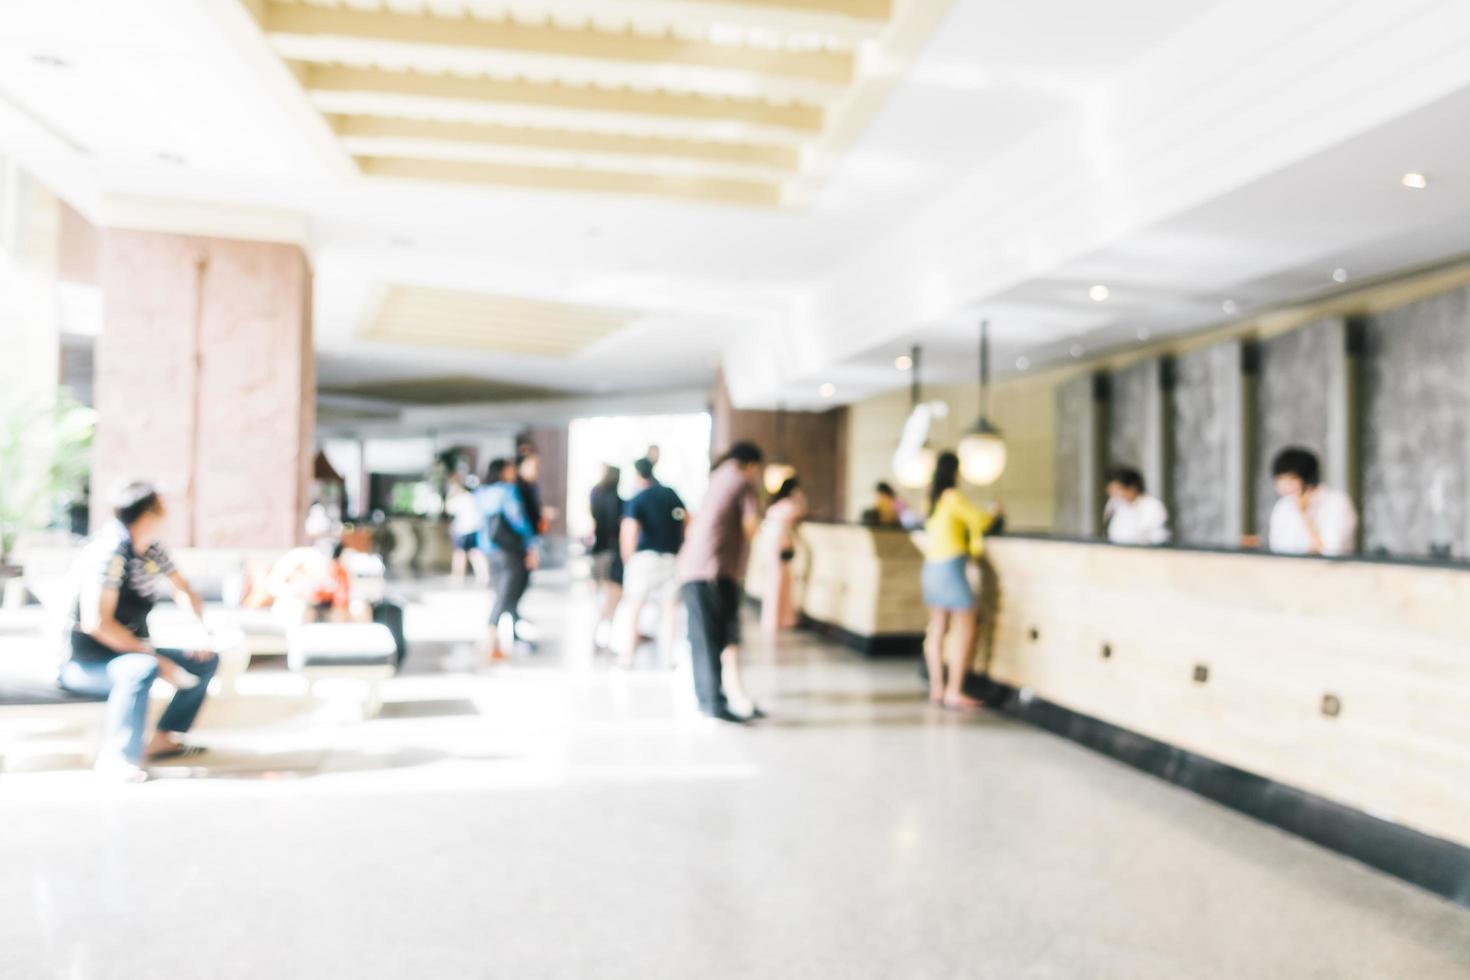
[969, 158]
[721, 102]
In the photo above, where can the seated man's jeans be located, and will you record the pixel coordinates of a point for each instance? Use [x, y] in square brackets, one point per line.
[125, 680]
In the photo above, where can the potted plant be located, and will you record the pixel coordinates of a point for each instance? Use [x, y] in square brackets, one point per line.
[44, 448]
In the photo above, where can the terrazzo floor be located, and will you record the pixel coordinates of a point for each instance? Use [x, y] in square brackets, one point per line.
[558, 818]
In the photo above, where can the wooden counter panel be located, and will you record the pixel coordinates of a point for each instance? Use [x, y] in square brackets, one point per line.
[863, 580]
[1277, 636]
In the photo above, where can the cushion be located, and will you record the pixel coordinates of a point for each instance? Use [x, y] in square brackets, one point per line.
[16, 691]
[341, 645]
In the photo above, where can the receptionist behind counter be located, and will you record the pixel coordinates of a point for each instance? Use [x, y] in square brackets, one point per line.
[1131, 515]
[1309, 519]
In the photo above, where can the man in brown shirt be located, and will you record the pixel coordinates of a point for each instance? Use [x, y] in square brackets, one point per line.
[711, 565]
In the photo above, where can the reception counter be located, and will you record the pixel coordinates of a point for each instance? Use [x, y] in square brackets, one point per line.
[860, 584]
[1347, 679]
[1309, 682]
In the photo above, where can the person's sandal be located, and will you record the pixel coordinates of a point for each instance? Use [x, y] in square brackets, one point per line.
[177, 752]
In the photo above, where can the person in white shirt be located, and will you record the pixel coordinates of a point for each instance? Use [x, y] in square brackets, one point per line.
[1132, 516]
[1309, 519]
[464, 532]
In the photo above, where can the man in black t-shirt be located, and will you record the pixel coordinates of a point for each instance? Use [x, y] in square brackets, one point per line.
[652, 533]
[123, 572]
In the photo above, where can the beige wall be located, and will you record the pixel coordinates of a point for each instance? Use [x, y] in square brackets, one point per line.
[1024, 410]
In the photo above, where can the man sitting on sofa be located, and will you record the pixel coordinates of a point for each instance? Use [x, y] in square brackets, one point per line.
[123, 572]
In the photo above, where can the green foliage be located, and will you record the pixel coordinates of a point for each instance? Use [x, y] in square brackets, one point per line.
[45, 446]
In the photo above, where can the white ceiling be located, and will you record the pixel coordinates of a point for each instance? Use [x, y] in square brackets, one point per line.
[1182, 153]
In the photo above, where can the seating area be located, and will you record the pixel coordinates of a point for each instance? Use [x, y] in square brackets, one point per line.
[42, 724]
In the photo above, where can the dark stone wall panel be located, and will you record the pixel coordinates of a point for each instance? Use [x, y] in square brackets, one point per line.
[1204, 433]
[1295, 403]
[1415, 389]
[1074, 421]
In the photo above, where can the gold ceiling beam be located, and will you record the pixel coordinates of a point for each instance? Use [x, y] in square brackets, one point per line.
[510, 36]
[775, 157]
[857, 9]
[721, 190]
[801, 117]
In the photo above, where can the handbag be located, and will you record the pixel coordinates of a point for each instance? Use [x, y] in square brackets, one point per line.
[503, 537]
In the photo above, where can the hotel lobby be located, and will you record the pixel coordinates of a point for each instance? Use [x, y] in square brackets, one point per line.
[798, 488]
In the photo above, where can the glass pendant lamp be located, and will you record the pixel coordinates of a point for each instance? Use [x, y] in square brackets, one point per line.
[982, 451]
[916, 468]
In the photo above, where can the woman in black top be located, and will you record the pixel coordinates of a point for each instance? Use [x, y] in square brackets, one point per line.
[607, 561]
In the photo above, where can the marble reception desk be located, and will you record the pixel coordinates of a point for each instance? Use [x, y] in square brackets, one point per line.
[1348, 679]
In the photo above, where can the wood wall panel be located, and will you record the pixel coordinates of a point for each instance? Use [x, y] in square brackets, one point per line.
[813, 442]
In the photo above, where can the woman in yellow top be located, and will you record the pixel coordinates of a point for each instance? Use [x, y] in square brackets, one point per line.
[953, 536]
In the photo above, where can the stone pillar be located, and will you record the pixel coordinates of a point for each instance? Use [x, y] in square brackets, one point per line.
[1082, 426]
[1137, 432]
[1303, 397]
[206, 385]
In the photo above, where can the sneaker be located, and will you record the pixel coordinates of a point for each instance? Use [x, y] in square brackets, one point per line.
[725, 714]
[180, 678]
[120, 771]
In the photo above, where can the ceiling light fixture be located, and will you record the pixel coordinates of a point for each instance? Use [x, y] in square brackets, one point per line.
[903, 362]
[172, 159]
[1022, 363]
[1077, 350]
[1339, 275]
[50, 61]
[1099, 293]
[1230, 307]
[827, 390]
[1415, 181]
[913, 463]
[982, 451]
[1144, 333]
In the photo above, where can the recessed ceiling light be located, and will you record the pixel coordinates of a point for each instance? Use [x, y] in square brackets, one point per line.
[1230, 306]
[1415, 181]
[1098, 293]
[1077, 350]
[1144, 333]
[172, 159]
[50, 61]
[827, 390]
[903, 362]
[1022, 363]
[1339, 275]
[401, 241]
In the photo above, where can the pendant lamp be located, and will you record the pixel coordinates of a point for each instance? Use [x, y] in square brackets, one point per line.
[915, 469]
[982, 451]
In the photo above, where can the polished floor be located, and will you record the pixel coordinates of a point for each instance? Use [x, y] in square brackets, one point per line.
[558, 818]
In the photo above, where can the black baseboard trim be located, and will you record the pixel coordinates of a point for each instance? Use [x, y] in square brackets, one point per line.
[877, 645]
[1434, 864]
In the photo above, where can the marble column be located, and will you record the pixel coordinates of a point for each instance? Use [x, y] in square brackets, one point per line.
[1304, 397]
[205, 383]
[1081, 419]
[1137, 422]
[1208, 439]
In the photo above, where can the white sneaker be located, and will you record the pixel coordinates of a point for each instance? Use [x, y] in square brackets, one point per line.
[180, 678]
[120, 771]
